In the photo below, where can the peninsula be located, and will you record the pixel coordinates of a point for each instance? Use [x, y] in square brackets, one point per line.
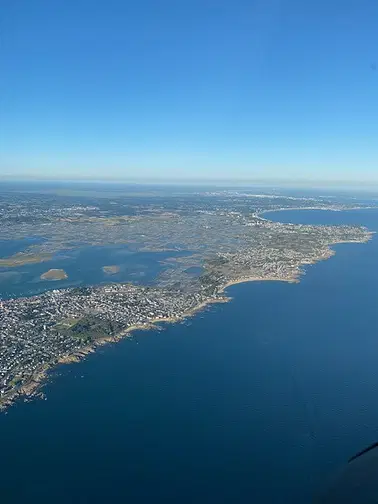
[220, 236]
[20, 259]
[63, 325]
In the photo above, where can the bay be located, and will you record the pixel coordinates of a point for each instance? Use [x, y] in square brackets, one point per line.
[83, 266]
[259, 400]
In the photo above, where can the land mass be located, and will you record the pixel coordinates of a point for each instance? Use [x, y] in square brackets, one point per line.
[111, 270]
[54, 274]
[64, 325]
[20, 259]
[220, 236]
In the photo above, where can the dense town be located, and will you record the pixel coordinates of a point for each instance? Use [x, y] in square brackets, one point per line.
[40, 330]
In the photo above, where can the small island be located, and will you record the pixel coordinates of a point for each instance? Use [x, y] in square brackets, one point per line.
[111, 270]
[54, 274]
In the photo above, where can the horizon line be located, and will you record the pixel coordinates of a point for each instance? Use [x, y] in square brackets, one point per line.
[309, 182]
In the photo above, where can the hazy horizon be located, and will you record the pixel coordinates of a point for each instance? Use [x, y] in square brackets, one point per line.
[222, 182]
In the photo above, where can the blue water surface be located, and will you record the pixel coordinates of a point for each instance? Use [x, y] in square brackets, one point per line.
[259, 400]
[10, 247]
[83, 266]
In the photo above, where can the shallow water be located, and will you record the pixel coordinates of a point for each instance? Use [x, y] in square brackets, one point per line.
[84, 267]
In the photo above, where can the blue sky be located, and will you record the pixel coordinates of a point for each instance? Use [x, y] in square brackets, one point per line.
[240, 89]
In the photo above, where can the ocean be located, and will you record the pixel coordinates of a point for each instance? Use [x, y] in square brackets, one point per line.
[258, 400]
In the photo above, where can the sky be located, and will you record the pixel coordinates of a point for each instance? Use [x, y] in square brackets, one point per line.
[189, 89]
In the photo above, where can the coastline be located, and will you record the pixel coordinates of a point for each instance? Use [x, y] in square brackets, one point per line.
[325, 209]
[258, 279]
[31, 389]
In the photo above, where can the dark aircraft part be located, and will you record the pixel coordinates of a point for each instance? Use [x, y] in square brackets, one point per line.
[358, 482]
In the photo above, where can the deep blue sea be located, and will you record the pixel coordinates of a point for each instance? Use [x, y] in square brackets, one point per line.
[256, 401]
